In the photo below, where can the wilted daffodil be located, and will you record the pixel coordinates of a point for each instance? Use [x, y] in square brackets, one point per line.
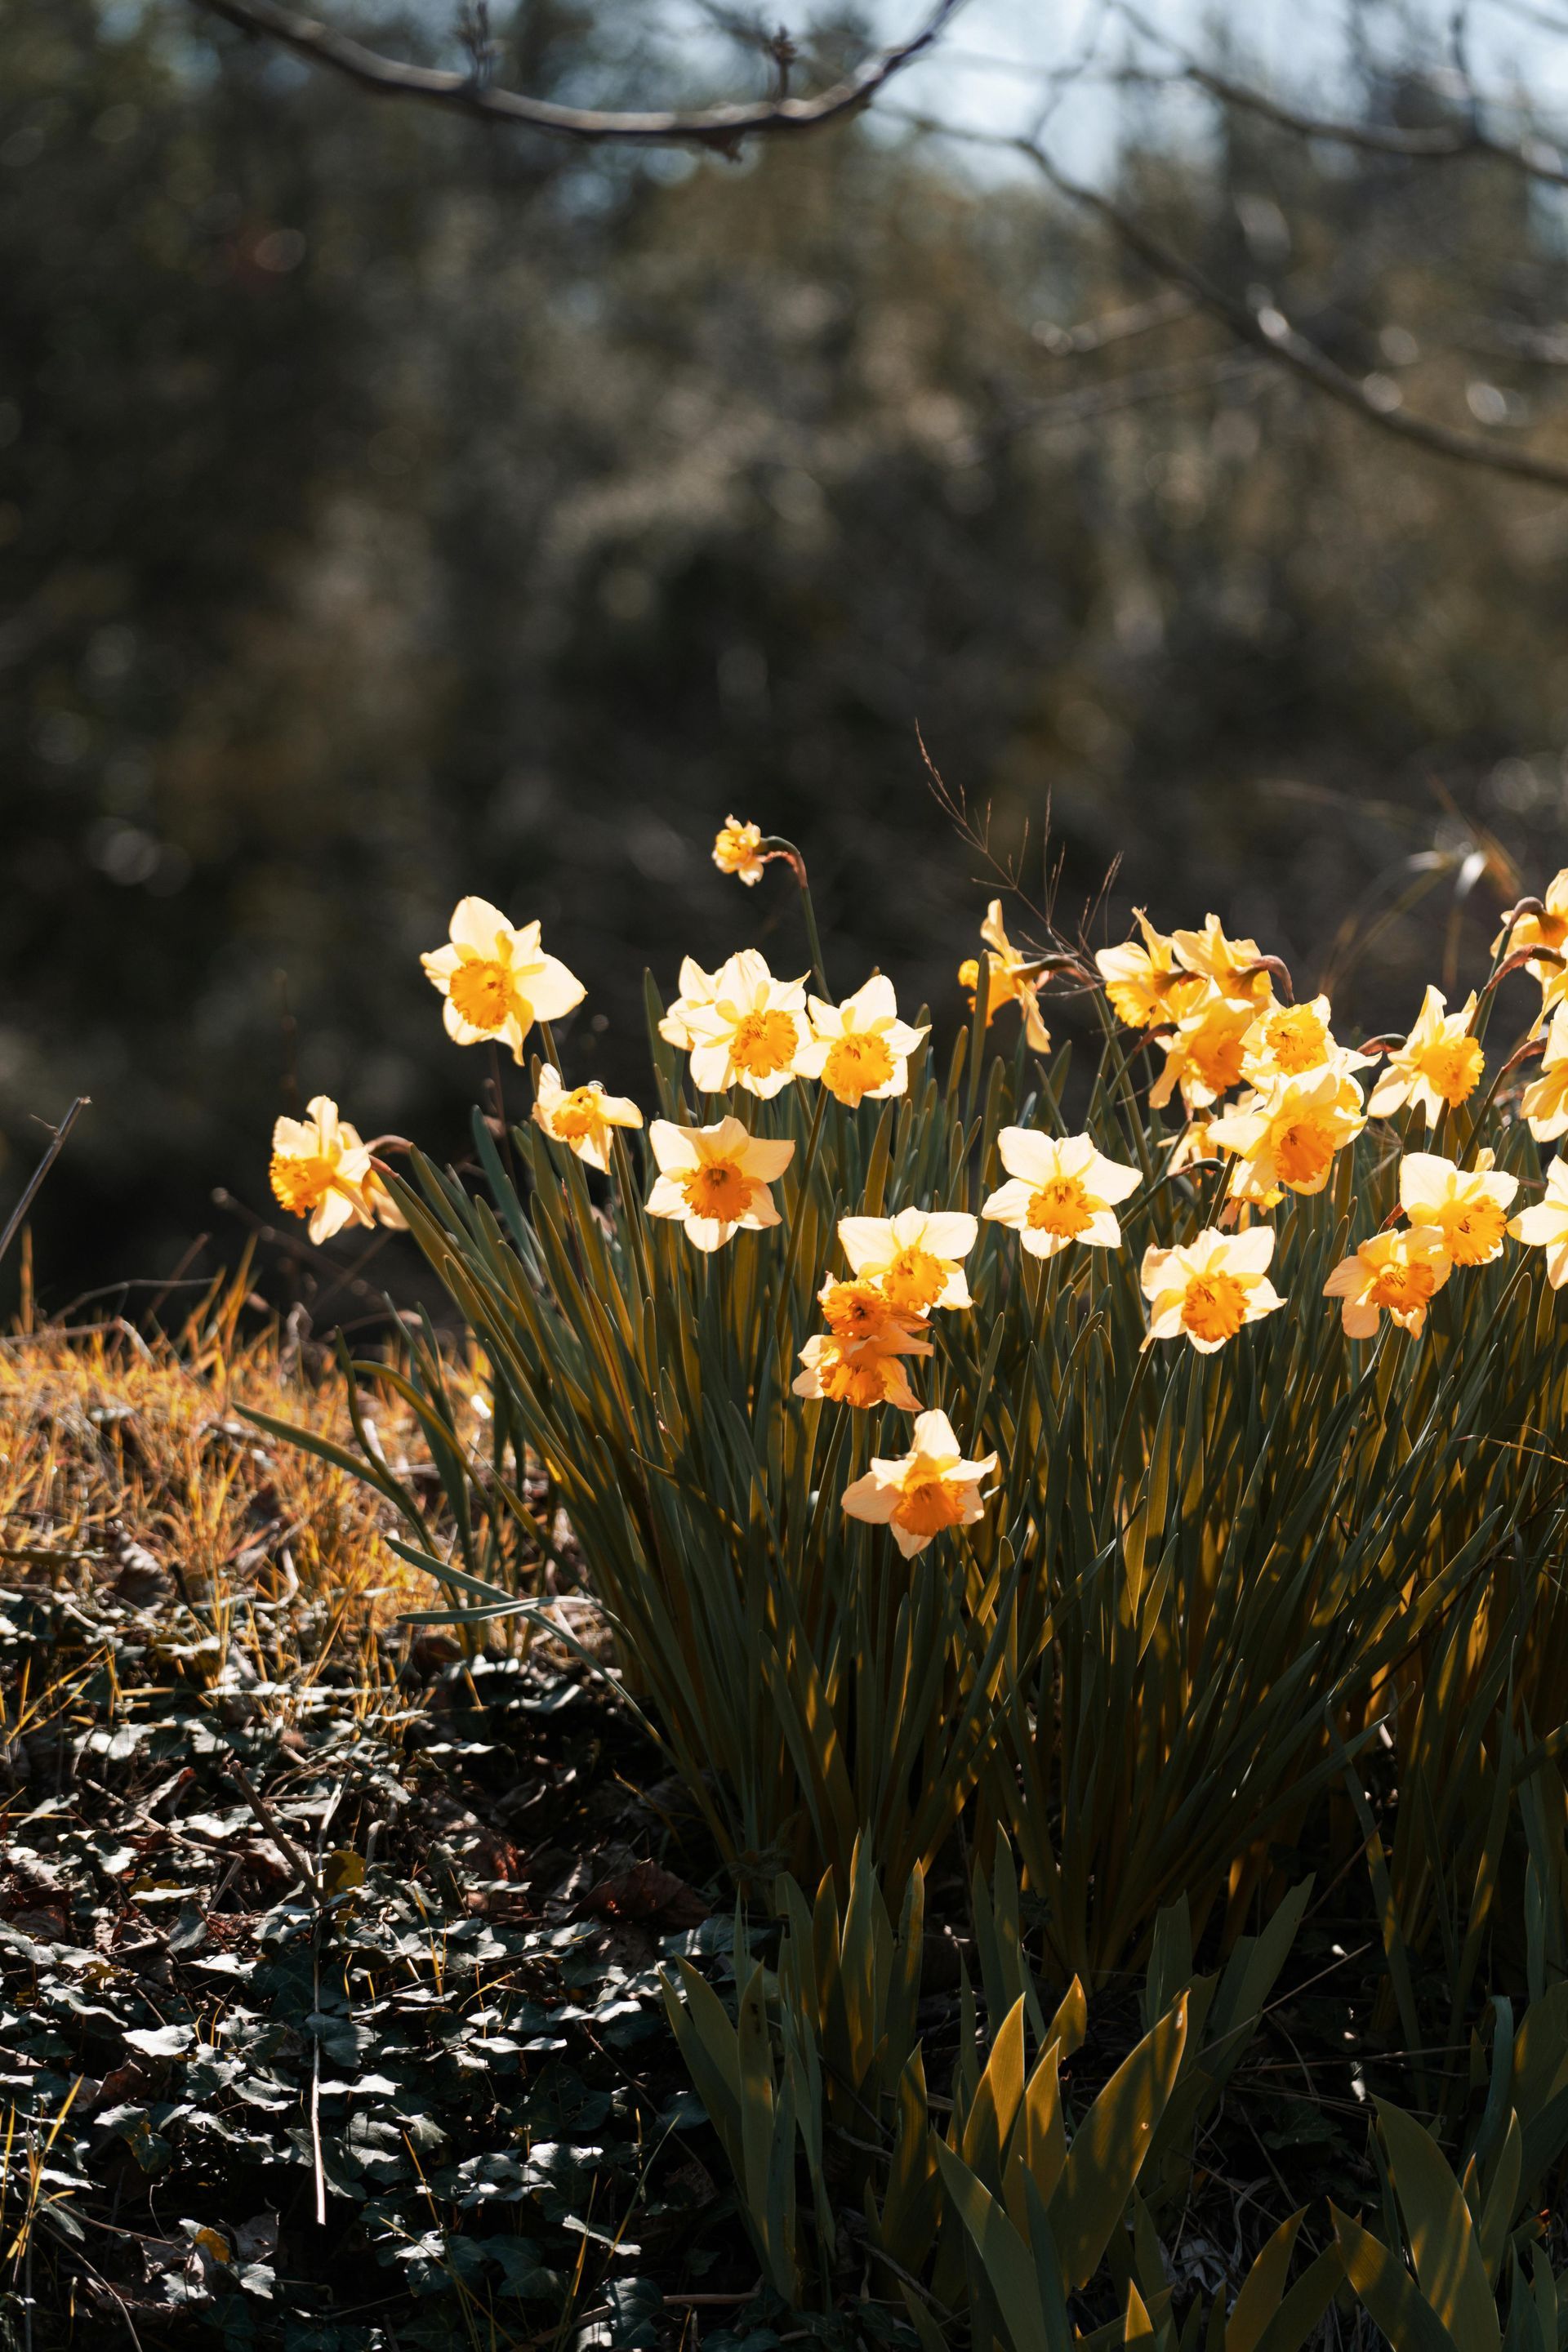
[1544, 1225]
[582, 1116]
[738, 849]
[1438, 1063]
[1203, 1053]
[320, 1170]
[1231, 964]
[1545, 1100]
[1010, 975]
[498, 981]
[696, 988]
[861, 1372]
[931, 1488]
[750, 1032]
[1209, 1287]
[1399, 1272]
[915, 1259]
[1146, 984]
[715, 1179]
[1060, 1192]
[860, 1048]
[1547, 929]
[1468, 1208]
[1290, 1135]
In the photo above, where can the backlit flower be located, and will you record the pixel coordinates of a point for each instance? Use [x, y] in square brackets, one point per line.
[1204, 1054]
[861, 1310]
[1438, 1063]
[696, 988]
[1010, 975]
[1398, 1272]
[861, 1047]
[863, 1372]
[582, 1116]
[715, 1179]
[1544, 1225]
[752, 1031]
[915, 1258]
[1060, 1192]
[1467, 1207]
[931, 1488]
[1290, 1135]
[1209, 1287]
[320, 1170]
[1547, 929]
[738, 849]
[1545, 1100]
[1145, 984]
[498, 981]
[1231, 964]
[1286, 1040]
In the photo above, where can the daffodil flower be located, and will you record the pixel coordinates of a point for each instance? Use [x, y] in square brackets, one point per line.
[752, 1031]
[1545, 1100]
[1544, 1225]
[1547, 929]
[932, 1487]
[860, 1048]
[1060, 1192]
[1146, 984]
[1468, 1208]
[861, 1310]
[582, 1117]
[915, 1258]
[1288, 1136]
[738, 849]
[1011, 977]
[864, 1373]
[320, 1170]
[1397, 1273]
[1205, 1052]
[498, 981]
[1208, 1288]
[696, 988]
[715, 1179]
[1438, 1063]
[1230, 964]
[1286, 1041]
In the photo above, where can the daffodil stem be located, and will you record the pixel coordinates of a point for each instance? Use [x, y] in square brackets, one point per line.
[778, 847]
[499, 1092]
[781, 1324]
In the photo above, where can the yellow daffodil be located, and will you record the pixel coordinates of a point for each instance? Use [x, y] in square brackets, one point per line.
[860, 1048]
[861, 1310]
[1205, 1052]
[931, 1488]
[1290, 1135]
[862, 1373]
[1545, 1100]
[1286, 1041]
[1547, 929]
[1146, 984]
[1229, 963]
[1195, 1148]
[1398, 1272]
[1468, 1208]
[320, 1170]
[696, 988]
[750, 1032]
[1209, 1287]
[1544, 1225]
[1060, 1192]
[1010, 975]
[498, 981]
[915, 1259]
[582, 1116]
[715, 1179]
[738, 849]
[1438, 1063]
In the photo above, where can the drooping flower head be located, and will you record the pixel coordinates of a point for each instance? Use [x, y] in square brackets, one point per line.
[1235, 966]
[1146, 984]
[1544, 1225]
[1547, 929]
[1468, 1208]
[860, 1049]
[1060, 1191]
[1397, 1273]
[750, 1032]
[1438, 1063]
[582, 1117]
[738, 849]
[1011, 977]
[1545, 1100]
[498, 981]
[1288, 1136]
[320, 1170]
[1209, 1287]
[715, 1179]
[933, 1488]
[915, 1258]
[1205, 1052]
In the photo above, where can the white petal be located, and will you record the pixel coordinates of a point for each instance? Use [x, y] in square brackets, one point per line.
[766, 1157]
[673, 1147]
[934, 1438]
[950, 1233]
[1025, 1152]
[476, 924]
[550, 990]
[867, 1241]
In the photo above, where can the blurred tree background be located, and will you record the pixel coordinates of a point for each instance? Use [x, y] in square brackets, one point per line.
[390, 508]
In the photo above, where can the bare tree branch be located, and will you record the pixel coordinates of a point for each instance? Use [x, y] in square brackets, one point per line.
[721, 127]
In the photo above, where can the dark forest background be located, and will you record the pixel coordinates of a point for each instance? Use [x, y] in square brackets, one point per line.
[391, 510]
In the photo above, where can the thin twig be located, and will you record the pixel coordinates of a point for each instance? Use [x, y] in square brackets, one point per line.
[30, 1190]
